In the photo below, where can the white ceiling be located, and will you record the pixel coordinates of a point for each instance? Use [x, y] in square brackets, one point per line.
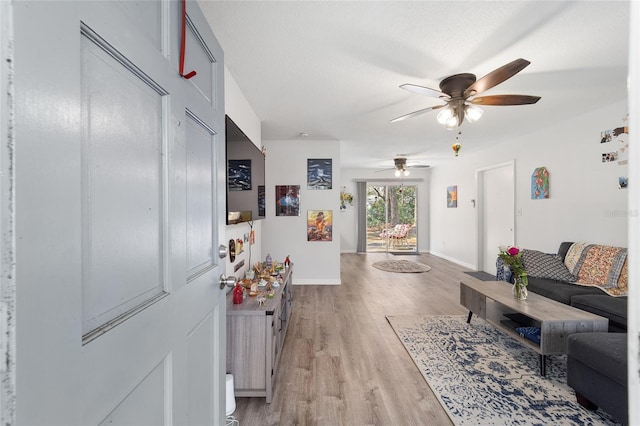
[332, 68]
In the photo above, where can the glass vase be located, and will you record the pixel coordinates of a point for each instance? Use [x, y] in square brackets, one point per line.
[519, 290]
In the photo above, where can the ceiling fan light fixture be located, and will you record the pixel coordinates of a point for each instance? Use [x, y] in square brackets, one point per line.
[451, 123]
[472, 113]
[445, 115]
[406, 172]
[397, 173]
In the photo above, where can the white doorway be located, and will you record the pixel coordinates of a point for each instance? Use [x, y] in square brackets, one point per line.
[118, 208]
[496, 212]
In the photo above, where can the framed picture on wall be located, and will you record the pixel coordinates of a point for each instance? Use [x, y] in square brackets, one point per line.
[288, 200]
[452, 196]
[319, 173]
[540, 184]
[319, 225]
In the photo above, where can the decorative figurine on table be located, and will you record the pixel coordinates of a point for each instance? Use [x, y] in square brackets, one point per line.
[287, 262]
[254, 289]
[261, 298]
[238, 294]
[269, 262]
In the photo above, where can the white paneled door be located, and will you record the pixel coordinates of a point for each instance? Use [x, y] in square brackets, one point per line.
[496, 189]
[119, 206]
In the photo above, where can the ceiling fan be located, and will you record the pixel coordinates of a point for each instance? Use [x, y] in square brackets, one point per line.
[402, 168]
[460, 91]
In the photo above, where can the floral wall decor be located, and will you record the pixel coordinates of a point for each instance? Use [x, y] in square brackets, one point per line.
[345, 197]
[540, 184]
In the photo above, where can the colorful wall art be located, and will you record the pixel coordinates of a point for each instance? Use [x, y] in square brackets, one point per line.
[452, 196]
[288, 200]
[319, 173]
[540, 184]
[319, 225]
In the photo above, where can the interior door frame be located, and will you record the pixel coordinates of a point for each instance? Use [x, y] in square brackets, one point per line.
[479, 204]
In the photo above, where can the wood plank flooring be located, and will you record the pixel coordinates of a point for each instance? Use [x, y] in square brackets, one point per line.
[342, 364]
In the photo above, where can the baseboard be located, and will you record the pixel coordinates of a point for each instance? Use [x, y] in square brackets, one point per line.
[311, 281]
[454, 260]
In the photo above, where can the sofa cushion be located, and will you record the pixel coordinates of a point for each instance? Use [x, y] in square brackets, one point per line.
[614, 308]
[573, 256]
[604, 352]
[543, 265]
[600, 266]
[563, 249]
[558, 290]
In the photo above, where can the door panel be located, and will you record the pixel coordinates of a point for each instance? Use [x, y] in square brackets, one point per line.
[200, 229]
[202, 61]
[122, 198]
[200, 392]
[145, 405]
[119, 208]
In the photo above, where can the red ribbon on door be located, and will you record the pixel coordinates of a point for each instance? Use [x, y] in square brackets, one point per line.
[183, 42]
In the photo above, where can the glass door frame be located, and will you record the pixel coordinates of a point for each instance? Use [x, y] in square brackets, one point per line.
[395, 236]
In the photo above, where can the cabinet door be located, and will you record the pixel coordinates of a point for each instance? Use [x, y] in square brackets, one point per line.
[246, 342]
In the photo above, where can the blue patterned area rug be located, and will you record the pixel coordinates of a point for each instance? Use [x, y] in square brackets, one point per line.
[484, 377]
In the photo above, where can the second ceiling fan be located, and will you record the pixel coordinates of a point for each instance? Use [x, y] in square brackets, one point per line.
[460, 91]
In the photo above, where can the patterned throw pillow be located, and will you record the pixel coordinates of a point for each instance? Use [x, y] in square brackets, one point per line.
[543, 265]
[573, 256]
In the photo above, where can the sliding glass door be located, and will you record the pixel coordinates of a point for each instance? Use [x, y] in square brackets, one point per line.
[391, 218]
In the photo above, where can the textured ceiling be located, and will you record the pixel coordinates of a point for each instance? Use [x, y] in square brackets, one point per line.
[332, 68]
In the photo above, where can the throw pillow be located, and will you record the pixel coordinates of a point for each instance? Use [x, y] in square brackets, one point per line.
[543, 265]
[573, 256]
[531, 333]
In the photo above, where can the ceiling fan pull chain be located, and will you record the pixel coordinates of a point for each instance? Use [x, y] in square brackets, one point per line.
[183, 42]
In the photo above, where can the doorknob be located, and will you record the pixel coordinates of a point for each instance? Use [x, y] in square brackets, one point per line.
[222, 251]
[229, 281]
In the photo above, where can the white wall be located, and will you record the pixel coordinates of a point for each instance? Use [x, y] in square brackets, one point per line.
[314, 262]
[237, 107]
[585, 203]
[348, 237]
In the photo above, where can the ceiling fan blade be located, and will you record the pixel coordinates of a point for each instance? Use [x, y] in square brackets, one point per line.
[384, 170]
[496, 77]
[415, 113]
[505, 100]
[420, 90]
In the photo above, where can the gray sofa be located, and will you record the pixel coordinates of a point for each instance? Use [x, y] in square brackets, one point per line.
[596, 362]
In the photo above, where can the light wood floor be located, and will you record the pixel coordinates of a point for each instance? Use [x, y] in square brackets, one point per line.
[342, 364]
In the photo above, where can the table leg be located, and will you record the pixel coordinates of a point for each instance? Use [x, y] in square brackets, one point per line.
[543, 365]
[469, 317]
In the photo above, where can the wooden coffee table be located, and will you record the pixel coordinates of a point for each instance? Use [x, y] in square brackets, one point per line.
[491, 300]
